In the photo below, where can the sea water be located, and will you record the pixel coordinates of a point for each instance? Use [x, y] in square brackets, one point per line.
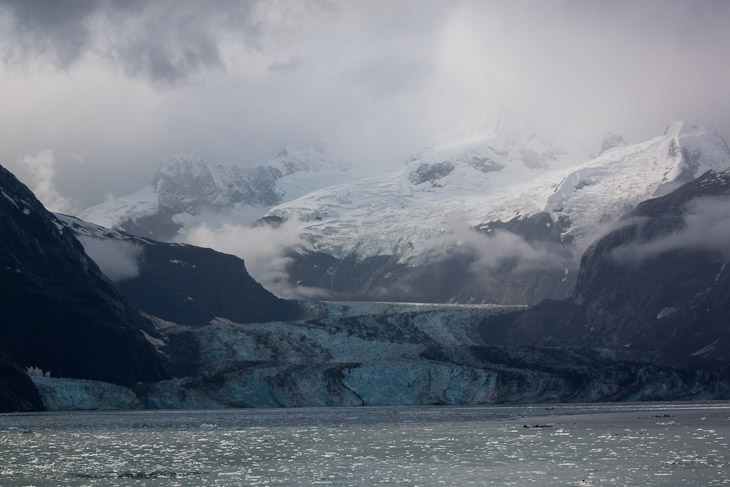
[678, 444]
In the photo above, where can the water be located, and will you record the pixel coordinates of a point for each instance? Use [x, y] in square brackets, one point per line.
[618, 444]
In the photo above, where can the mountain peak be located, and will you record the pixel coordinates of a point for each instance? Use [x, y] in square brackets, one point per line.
[696, 142]
[510, 144]
[678, 128]
[510, 123]
[307, 157]
[297, 150]
[184, 185]
[174, 166]
[611, 140]
[682, 128]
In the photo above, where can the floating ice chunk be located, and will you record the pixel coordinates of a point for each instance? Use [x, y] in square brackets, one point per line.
[666, 312]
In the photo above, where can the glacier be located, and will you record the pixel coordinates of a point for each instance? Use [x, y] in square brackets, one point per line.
[425, 356]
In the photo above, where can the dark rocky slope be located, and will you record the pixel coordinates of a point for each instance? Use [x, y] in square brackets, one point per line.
[185, 284]
[17, 392]
[658, 285]
[60, 313]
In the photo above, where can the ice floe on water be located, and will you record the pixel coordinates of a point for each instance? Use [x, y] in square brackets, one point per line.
[618, 444]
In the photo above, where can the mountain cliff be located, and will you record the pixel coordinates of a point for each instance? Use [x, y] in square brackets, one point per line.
[648, 321]
[60, 313]
[656, 284]
[17, 391]
[181, 283]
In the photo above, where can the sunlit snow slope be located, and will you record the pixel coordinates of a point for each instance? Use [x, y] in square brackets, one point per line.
[504, 177]
[433, 192]
[186, 191]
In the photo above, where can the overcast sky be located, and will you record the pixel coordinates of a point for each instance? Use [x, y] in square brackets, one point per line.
[94, 94]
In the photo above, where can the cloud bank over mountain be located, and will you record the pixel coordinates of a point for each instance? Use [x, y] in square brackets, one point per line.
[111, 88]
[264, 249]
[706, 227]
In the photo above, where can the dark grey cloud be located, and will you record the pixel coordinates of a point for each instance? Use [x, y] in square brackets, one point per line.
[283, 67]
[163, 40]
[59, 29]
[131, 82]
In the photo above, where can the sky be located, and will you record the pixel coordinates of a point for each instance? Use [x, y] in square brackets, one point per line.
[94, 94]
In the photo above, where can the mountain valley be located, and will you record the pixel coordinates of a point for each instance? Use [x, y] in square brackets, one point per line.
[642, 315]
[217, 338]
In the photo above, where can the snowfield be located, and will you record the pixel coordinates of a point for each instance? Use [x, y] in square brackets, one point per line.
[185, 187]
[402, 212]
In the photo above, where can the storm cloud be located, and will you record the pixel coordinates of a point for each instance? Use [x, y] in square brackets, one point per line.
[113, 87]
[165, 40]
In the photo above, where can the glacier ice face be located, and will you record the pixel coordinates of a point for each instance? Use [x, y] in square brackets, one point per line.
[405, 357]
[367, 355]
[84, 395]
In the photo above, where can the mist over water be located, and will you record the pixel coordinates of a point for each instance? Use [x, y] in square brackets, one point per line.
[627, 444]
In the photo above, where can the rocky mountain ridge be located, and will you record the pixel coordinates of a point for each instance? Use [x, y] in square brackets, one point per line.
[60, 313]
[388, 354]
[185, 187]
[657, 283]
[181, 283]
[500, 218]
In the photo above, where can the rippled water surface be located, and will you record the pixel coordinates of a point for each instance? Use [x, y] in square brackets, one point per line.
[634, 444]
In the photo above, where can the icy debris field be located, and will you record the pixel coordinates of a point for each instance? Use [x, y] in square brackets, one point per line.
[675, 444]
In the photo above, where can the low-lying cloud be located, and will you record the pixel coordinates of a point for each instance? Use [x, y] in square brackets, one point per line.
[40, 173]
[118, 260]
[263, 248]
[498, 249]
[706, 228]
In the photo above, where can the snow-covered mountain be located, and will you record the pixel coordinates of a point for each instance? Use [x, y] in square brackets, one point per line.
[601, 190]
[444, 186]
[648, 321]
[528, 217]
[185, 187]
[502, 217]
[657, 282]
[400, 213]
